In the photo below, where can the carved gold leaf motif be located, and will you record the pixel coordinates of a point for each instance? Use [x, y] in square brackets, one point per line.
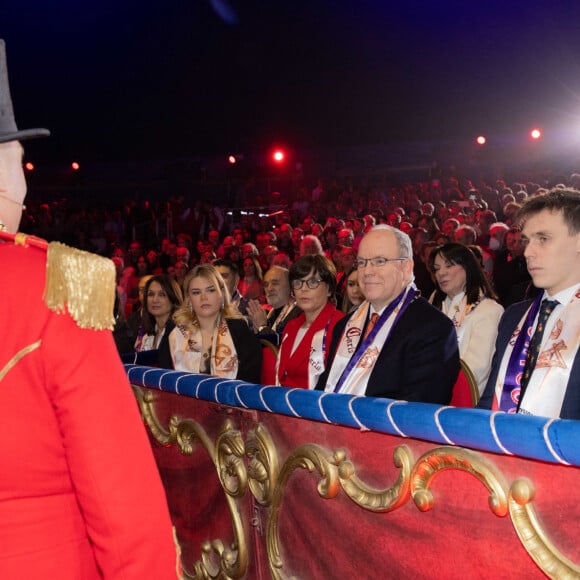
[217, 559]
[309, 457]
[252, 462]
[369, 497]
[263, 467]
[434, 462]
[534, 539]
[230, 460]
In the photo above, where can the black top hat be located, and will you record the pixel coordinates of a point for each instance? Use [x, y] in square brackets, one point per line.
[8, 129]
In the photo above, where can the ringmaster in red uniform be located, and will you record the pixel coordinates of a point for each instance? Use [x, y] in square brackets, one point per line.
[80, 495]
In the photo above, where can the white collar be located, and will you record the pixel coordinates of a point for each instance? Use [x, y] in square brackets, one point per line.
[564, 296]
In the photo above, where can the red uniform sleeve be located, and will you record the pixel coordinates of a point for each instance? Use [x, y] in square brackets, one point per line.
[110, 459]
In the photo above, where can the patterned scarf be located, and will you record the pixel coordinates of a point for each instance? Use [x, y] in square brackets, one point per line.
[355, 358]
[187, 351]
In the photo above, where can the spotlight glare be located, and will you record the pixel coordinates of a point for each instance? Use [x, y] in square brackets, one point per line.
[481, 140]
[232, 160]
[535, 134]
[278, 156]
[75, 166]
[29, 166]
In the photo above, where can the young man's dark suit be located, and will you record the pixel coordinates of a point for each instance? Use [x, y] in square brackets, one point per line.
[507, 325]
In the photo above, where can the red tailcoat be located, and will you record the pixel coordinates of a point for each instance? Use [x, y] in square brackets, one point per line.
[80, 495]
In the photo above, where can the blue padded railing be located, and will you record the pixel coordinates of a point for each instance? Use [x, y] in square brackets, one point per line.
[551, 440]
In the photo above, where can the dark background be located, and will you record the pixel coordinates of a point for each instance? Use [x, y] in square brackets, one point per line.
[120, 80]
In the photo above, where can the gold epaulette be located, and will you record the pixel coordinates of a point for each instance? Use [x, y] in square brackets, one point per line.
[81, 284]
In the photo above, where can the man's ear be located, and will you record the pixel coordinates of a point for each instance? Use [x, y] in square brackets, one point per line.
[408, 269]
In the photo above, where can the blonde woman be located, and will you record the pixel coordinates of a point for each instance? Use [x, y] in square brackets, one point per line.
[211, 336]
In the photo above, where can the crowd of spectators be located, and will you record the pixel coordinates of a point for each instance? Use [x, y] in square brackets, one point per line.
[174, 236]
[440, 216]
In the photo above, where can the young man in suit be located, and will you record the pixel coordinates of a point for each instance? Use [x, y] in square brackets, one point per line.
[536, 366]
[395, 344]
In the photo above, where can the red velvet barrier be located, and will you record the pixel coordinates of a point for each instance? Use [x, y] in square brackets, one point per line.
[336, 538]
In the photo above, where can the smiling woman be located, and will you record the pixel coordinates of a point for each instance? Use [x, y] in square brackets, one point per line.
[467, 298]
[162, 297]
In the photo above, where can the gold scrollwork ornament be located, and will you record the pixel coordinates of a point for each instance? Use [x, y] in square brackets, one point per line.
[534, 539]
[230, 460]
[370, 498]
[263, 467]
[430, 464]
[310, 457]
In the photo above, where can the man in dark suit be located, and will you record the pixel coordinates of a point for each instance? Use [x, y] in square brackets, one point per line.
[395, 344]
[541, 376]
[510, 274]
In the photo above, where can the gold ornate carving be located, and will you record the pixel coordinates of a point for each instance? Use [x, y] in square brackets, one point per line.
[230, 460]
[146, 401]
[369, 497]
[433, 462]
[263, 467]
[534, 539]
[309, 457]
[217, 559]
[254, 463]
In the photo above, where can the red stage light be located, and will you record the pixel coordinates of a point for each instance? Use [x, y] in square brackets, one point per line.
[278, 156]
[29, 166]
[232, 159]
[75, 166]
[535, 133]
[481, 140]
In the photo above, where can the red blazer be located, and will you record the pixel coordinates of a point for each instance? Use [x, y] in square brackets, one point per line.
[293, 369]
[80, 494]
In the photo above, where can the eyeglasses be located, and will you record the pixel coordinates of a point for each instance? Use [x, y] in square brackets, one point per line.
[312, 283]
[378, 262]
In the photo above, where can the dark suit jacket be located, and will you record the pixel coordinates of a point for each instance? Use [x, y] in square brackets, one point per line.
[275, 336]
[507, 324]
[418, 362]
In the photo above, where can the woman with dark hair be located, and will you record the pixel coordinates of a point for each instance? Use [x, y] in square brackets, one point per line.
[353, 296]
[250, 286]
[465, 295]
[302, 355]
[161, 298]
[212, 337]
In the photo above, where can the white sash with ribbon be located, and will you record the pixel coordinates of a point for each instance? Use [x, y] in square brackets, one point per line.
[547, 385]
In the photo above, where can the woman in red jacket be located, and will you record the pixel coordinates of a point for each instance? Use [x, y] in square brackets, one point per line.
[305, 341]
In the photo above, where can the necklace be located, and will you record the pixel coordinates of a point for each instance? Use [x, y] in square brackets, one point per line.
[460, 313]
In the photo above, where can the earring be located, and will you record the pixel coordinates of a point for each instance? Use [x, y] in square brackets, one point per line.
[190, 308]
[222, 306]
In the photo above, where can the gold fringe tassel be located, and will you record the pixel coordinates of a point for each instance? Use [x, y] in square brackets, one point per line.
[82, 284]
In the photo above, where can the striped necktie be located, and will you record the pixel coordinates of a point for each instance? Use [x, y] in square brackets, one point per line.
[546, 309]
